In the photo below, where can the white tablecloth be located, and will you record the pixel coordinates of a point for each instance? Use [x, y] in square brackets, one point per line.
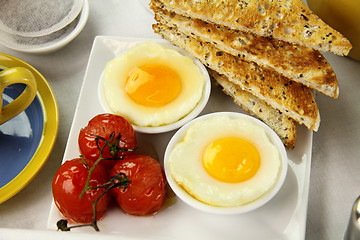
[335, 171]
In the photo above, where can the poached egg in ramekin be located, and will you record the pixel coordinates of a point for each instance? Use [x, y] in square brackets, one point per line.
[225, 163]
[156, 87]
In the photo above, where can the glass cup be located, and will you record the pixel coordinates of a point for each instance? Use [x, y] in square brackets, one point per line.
[16, 75]
[353, 227]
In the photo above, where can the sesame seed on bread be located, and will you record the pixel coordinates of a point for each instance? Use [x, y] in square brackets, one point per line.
[284, 126]
[288, 20]
[291, 98]
[299, 63]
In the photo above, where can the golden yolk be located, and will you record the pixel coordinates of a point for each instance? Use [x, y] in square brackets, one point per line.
[231, 160]
[153, 85]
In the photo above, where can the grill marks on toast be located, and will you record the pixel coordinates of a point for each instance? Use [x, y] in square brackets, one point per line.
[291, 98]
[299, 63]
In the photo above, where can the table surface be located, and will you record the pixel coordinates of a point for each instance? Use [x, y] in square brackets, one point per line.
[335, 178]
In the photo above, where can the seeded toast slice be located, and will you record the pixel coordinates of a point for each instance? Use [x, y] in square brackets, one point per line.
[284, 126]
[291, 98]
[287, 20]
[299, 63]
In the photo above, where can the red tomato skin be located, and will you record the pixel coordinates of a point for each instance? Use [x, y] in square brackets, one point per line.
[103, 125]
[146, 192]
[67, 185]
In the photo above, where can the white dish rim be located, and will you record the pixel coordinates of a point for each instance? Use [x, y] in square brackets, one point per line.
[191, 115]
[84, 15]
[188, 199]
[105, 48]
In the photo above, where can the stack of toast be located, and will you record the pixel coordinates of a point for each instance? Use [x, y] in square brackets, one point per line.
[264, 54]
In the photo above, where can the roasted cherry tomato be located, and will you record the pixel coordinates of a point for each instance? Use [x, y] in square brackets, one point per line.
[68, 184]
[106, 126]
[146, 192]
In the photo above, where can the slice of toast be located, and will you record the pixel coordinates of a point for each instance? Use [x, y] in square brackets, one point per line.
[299, 63]
[291, 98]
[287, 20]
[284, 126]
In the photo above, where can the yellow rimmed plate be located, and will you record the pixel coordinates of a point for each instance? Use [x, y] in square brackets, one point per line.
[27, 140]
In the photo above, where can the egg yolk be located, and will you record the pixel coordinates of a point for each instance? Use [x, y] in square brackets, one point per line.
[231, 160]
[153, 85]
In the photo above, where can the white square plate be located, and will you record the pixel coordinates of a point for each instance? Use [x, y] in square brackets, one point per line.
[284, 217]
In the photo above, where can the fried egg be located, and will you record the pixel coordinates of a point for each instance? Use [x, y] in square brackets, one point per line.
[152, 85]
[225, 162]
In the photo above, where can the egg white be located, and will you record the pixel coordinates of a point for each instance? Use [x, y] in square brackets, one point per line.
[186, 168]
[114, 81]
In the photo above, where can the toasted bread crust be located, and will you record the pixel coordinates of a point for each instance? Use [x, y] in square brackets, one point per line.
[291, 98]
[284, 126]
[299, 63]
[287, 20]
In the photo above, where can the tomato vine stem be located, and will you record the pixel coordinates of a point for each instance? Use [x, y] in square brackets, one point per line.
[113, 144]
[119, 180]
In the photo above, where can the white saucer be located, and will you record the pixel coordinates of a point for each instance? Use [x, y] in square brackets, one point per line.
[71, 31]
